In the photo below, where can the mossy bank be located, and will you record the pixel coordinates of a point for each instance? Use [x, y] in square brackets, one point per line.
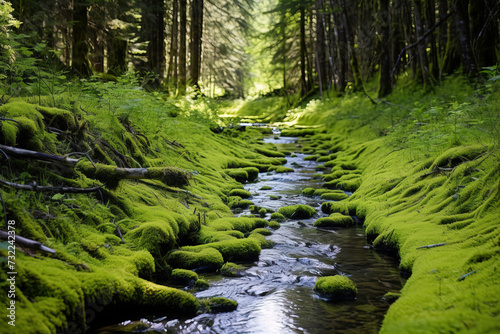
[426, 192]
[165, 183]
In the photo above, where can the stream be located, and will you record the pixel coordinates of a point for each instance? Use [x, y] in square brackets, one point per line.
[275, 296]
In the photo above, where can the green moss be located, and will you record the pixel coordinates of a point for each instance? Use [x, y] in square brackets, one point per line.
[241, 193]
[156, 237]
[346, 208]
[269, 153]
[184, 276]
[334, 196]
[252, 172]
[207, 258]
[266, 188]
[201, 284]
[334, 220]
[231, 250]
[280, 169]
[391, 297]
[230, 269]
[336, 287]
[238, 174]
[457, 155]
[311, 157]
[308, 191]
[242, 224]
[299, 211]
[261, 240]
[218, 305]
[263, 231]
[274, 224]
[278, 217]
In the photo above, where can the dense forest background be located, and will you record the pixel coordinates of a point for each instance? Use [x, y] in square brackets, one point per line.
[230, 48]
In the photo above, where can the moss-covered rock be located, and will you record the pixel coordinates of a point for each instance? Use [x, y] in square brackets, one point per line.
[335, 220]
[230, 269]
[201, 284]
[336, 287]
[274, 224]
[280, 169]
[231, 250]
[184, 276]
[308, 191]
[241, 193]
[299, 211]
[334, 196]
[278, 217]
[218, 305]
[206, 258]
[263, 231]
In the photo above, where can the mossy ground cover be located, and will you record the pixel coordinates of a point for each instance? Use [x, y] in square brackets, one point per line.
[123, 127]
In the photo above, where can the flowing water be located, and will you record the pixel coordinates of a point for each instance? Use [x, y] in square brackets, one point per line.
[275, 295]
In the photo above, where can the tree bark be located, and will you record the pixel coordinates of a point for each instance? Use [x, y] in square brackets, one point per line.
[181, 84]
[320, 47]
[174, 45]
[421, 47]
[462, 23]
[80, 54]
[195, 41]
[385, 83]
[303, 80]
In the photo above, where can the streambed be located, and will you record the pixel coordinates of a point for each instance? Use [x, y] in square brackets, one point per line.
[276, 295]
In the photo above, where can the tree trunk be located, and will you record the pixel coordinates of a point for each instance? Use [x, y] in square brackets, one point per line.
[320, 47]
[350, 47]
[195, 41]
[385, 83]
[181, 84]
[153, 21]
[430, 20]
[174, 45]
[462, 23]
[117, 63]
[80, 55]
[303, 80]
[421, 48]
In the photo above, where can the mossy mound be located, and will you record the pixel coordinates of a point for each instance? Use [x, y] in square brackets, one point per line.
[262, 241]
[266, 188]
[218, 305]
[335, 220]
[280, 169]
[183, 276]
[278, 217]
[345, 208]
[230, 269]
[269, 153]
[334, 196]
[299, 211]
[206, 258]
[336, 287]
[231, 250]
[391, 297]
[263, 231]
[241, 193]
[274, 224]
[201, 284]
[308, 191]
[241, 224]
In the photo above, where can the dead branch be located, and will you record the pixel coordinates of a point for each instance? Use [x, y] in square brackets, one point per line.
[28, 154]
[25, 242]
[34, 187]
[432, 246]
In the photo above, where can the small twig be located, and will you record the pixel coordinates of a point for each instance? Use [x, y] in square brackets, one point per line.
[119, 232]
[432, 246]
[461, 278]
[9, 119]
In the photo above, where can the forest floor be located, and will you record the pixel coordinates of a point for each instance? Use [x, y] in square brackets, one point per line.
[423, 169]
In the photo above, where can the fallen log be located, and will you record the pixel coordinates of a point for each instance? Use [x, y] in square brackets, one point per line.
[25, 242]
[111, 175]
[432, 246]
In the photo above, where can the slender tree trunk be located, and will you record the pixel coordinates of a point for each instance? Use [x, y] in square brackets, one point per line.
[350, 47]
[303, 80]
[181, 83]
[485, 30]
[385, 83]
[80, 55]
[430, 21]
[195, 41]
[421, 48]
[462, 23]
[174, 45]
[320, 47]
[341, 52]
